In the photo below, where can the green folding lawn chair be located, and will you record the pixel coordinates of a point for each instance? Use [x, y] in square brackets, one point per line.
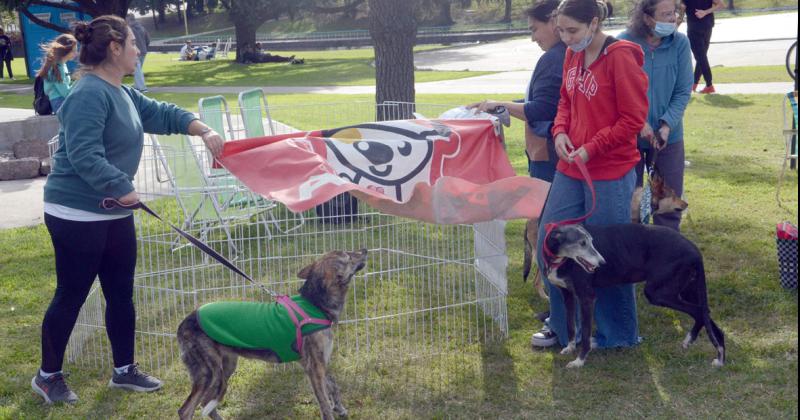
[253, 107]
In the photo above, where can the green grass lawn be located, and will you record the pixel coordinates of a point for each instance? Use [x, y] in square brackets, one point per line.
[735, 148]
[322, 68]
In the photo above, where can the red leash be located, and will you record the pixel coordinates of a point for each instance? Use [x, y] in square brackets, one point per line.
[549, 257]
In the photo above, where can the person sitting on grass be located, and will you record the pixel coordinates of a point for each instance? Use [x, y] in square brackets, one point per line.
[255, 55]
[187, 52]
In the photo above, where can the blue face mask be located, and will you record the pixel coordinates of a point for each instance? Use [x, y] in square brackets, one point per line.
[582, 44]
[664, 29]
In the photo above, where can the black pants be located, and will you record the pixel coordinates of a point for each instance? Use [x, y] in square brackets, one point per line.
[84, 250]
[699, 39]
[8, 66]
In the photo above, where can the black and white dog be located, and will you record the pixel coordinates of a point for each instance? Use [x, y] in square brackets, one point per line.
[585, 257]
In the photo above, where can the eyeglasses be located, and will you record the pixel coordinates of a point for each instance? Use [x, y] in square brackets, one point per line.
[665, 15]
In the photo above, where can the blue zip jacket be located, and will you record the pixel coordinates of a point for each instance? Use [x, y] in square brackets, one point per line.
[101, 140]
[669, 70]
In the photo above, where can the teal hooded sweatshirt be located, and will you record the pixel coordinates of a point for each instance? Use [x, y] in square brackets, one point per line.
[669, 71]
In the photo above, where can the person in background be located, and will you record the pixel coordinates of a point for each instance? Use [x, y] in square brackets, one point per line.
[602, 107]
[541, 98]
[6, 56]
[668, 64]
[700, 23]
[187, 52]
[100, 144]
[54, 71]
[142, 42]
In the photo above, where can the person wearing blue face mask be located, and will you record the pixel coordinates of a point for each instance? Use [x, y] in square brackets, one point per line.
[668, 64]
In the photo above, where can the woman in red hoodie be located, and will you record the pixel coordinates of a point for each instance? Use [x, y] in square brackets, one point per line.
[603, 106]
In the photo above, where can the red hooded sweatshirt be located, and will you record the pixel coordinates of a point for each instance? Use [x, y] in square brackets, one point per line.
[603, 108]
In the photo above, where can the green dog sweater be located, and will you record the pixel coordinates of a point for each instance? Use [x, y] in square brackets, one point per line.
[259, 326]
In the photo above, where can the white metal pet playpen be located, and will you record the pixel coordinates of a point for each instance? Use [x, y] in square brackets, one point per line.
[429, 294]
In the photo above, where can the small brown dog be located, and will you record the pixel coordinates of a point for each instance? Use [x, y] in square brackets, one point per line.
[211, 363]
[663, 199]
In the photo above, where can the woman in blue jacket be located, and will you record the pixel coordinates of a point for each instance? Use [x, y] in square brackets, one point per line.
[668, 64]
[99, 147]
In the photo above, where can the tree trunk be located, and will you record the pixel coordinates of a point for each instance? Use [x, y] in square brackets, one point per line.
[161, 11]
[245, 38]
[507, 15]
[444, 18]
[393, 29]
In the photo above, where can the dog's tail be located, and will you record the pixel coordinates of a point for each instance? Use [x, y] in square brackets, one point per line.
[528, 256]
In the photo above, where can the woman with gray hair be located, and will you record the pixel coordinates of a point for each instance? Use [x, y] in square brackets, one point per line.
[668, 64]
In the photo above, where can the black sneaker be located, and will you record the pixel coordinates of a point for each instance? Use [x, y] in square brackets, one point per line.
[544, 338]
[53, 389]
[135, 380]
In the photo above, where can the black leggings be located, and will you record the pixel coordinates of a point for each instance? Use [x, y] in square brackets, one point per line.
[699, 40]
[83, 251]
[8, 66]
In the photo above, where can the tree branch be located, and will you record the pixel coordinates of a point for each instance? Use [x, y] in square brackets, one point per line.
[56, 5]
[43, 23]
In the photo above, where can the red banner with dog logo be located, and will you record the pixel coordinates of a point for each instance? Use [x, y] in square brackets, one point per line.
[440, 171]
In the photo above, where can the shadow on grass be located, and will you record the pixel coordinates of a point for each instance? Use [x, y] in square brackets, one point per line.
[231, 73]
[722, 101]
[734, 169]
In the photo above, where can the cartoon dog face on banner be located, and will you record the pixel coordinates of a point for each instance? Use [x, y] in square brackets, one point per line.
[392, 156]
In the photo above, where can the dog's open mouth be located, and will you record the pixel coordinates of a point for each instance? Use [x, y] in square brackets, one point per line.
[587, 266]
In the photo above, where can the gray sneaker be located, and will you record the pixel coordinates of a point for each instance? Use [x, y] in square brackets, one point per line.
[135, 380]
[53, 389]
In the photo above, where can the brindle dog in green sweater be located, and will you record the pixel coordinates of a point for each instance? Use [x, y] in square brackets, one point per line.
[213, 337]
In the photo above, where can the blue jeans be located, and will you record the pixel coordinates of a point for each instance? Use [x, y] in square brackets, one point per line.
[615, 307]
[138, 74]
[55, 104]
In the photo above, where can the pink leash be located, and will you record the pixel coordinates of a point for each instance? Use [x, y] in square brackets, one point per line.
[294, 309]
[549, 257]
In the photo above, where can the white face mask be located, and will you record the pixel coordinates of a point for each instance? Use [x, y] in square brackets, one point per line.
[584, 43]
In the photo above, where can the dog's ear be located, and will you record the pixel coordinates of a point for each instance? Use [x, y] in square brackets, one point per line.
[313, 288]
[554, 240]
[305, 272]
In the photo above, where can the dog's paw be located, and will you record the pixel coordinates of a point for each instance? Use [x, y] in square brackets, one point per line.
[569, 349]
[340, 411]
[717, 363]
[575, 363]
[687, 341]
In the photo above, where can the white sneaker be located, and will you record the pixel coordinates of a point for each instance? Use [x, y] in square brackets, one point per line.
[544, 338]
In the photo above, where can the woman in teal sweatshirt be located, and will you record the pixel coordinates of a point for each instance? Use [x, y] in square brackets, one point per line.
[668, 64]
[99, 148]
[54, 71]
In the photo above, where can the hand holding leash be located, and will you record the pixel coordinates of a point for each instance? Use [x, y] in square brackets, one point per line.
[563, 146]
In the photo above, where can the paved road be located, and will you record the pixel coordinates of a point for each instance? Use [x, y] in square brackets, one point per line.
[759, 34]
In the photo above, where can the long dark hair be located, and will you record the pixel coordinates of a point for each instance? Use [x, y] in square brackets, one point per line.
[584, 11]
[54, 51]
[636, 24]
[96, 35]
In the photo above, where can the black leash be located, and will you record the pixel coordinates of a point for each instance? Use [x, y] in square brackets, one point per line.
[111, 203]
